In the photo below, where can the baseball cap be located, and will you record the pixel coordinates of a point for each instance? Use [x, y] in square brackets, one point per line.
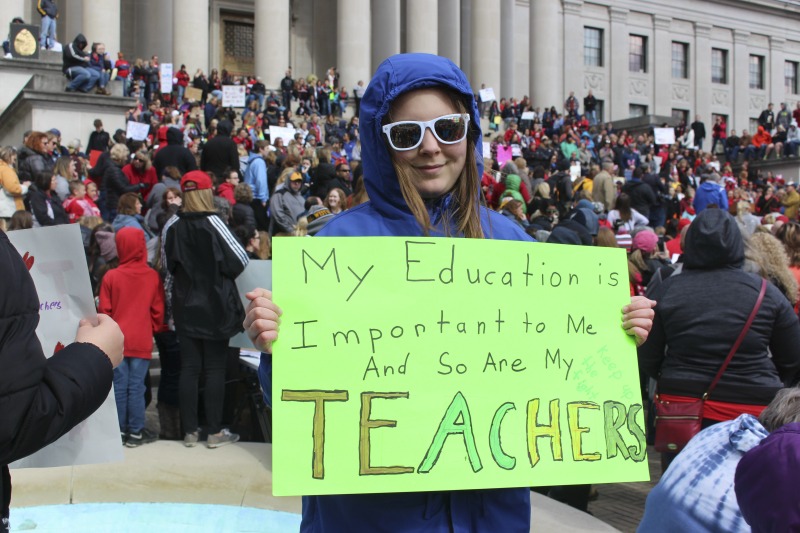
[196, 180]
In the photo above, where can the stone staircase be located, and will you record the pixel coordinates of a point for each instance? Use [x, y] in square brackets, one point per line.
[33, 97]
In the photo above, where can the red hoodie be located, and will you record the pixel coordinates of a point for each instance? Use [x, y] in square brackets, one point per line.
[132, 294]
[225, 190]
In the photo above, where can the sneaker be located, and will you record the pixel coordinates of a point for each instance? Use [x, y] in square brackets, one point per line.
[124, 437]
[190, 439]
[143, 437]
[222, 438]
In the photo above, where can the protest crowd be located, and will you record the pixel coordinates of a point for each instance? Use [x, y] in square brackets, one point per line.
[170, 219]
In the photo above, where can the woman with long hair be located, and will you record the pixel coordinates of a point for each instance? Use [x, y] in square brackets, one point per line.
[625, 217]
[336, 201]
[44, 203]
[33, 158]
[13, 192]
[202, 259]
[64, 172]
[422, 143]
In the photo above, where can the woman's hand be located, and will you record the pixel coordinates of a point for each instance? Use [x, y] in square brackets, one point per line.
[637, 318]
[262, 319]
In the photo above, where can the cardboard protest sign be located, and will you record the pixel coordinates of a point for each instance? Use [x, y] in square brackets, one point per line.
[57, 264]
[233, 95]
[193, 93]
[165, 77]
[137, 131]
[287, 134]
[664, 135]
[487, 95]
[528, 115]
[424, 364]
[257, 274]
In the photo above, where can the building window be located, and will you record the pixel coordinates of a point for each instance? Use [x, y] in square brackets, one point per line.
[598, 109]
[636, 110]
[719, 66]
[637, 53]
[756, 72]
[681, 115]
[753, 125]
[680, 60]
[592, 47]
[239, 40]
[790, 77]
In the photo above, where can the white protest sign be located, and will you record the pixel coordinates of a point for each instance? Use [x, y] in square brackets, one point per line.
[528, 115]
[233, 95]
[287, 134]
[516, 150]
[257, 274]
[487, 149]
[664, 135]
[487, 95]
[165, 76]
[137, 131]
[59, 271]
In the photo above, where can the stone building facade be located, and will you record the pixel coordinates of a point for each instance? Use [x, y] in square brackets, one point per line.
[681, 58]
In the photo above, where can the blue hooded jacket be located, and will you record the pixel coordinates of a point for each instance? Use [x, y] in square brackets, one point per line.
[386, 214]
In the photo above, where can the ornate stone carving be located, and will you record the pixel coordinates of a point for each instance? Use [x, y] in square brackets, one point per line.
[758, 102]
[638, 87]
[719, 97]
[680, 93]
[593, 80]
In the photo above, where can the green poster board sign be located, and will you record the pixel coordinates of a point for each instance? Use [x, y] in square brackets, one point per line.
[419, 364]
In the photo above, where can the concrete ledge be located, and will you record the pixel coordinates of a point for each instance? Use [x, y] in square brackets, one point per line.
[237, 475]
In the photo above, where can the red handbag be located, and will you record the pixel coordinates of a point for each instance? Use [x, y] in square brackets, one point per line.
[678, 422]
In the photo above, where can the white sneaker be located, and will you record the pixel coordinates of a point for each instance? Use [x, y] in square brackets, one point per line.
[222, 438]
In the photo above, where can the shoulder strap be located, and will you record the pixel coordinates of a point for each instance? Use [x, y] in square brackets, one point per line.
[740, 339]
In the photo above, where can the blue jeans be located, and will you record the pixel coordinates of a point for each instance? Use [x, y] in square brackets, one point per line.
[592, 117]
[48, 32]
[181, 90]
[82, 79]
[102, 77]
[125, 87]
[129, 393]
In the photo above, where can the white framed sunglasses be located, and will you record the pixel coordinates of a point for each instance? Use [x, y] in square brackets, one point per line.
[408, 134]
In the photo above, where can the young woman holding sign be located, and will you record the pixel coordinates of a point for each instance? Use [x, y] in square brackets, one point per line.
[421, 146]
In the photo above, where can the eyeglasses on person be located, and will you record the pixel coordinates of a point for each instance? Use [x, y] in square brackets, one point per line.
[408, 134]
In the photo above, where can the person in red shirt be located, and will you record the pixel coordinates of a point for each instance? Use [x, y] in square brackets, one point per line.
[141, 170]
[225, 189]
[132, 294]
[123, 69]
[183, 82]
[79, 204]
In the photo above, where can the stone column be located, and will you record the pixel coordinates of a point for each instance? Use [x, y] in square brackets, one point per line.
[101, 23]
[155, 20]
[272, 23]
[775, 80]
[485, 44]
[190, 30]
[450, 30]
[385, 16]
[353, 42]
[507, 47]
[466, 37]
[663, 68]
[620, 46]
[545, 53]
[702, 58]
[573, 62]
[422, 26]
[11, 9]
[740, 81]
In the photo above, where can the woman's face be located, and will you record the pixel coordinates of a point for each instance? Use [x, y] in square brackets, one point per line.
[333, 199]
[138, 207]
[173, 199]
[53, 183]
[72, 170]
[434, 168]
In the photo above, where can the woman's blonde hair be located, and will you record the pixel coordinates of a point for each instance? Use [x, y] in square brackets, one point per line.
[198, 201]
[768, 258]
[465, 213]
[119, 154]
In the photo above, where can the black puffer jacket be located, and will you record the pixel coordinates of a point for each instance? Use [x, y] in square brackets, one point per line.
[115, 184]
[40, 399]
[30, 164]
[701, 312]
[203, 258]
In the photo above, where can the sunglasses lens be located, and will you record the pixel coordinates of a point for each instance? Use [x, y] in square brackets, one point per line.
[451, 129]
[405, 135]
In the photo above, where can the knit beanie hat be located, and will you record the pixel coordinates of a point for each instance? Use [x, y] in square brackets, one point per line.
[107, 244]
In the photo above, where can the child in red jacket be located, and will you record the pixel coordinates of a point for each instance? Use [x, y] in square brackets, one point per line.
[79, 204]
[132, 294]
